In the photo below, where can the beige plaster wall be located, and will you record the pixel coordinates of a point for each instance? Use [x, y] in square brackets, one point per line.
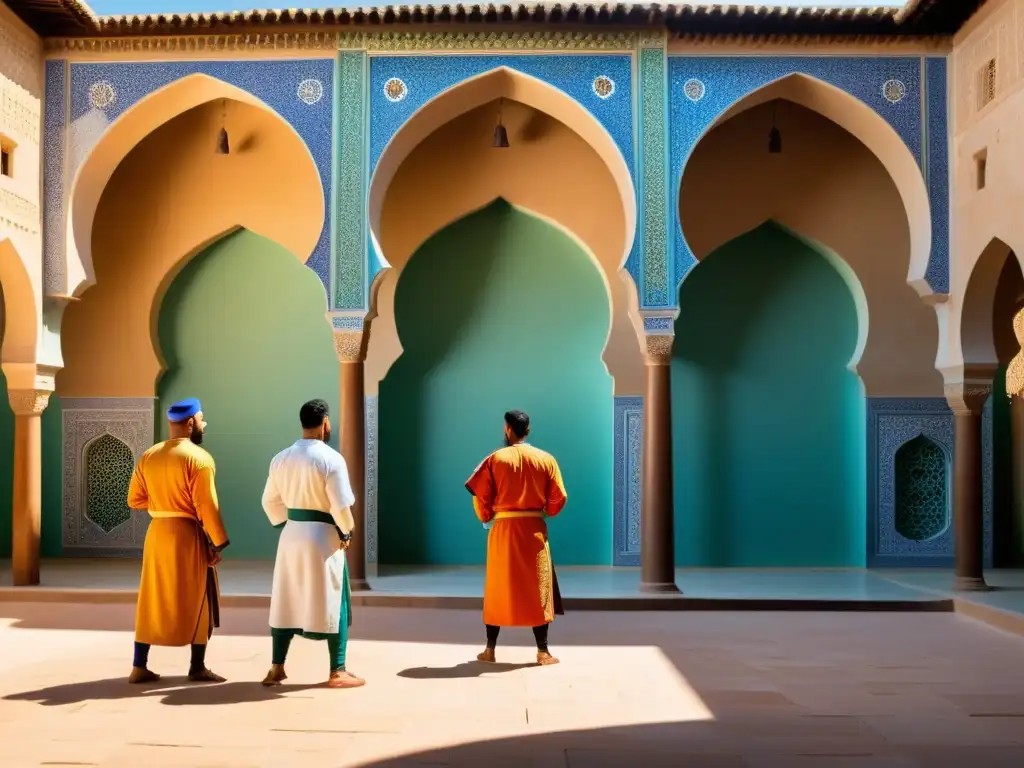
[979, 215]
[169, 198]
[829, 188]
[548, 170]
[21, 88]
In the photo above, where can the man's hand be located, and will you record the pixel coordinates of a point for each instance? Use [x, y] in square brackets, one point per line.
[216, 557]
[344, 544]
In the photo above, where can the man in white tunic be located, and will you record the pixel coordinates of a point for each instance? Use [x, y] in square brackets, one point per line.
[309, 494]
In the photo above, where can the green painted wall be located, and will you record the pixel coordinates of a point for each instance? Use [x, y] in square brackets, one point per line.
[499, 310]
[1008, 525]
[243, 329]
[768, 423]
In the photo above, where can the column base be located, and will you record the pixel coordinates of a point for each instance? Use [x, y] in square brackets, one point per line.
[659, 588]
[970, 584]
[359, 585]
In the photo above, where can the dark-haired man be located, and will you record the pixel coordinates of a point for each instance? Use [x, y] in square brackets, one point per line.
[308, 492]
[515, 490]
[178, 593]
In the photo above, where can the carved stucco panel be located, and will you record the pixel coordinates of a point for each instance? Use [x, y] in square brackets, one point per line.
[84, 421]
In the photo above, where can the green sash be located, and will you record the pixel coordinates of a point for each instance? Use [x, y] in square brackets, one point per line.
[310, 516]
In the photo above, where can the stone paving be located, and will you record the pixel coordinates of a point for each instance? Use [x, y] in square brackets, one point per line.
[750, 690]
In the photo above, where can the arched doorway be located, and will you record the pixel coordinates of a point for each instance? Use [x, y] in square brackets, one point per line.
[803, 308]
[762, 395]
[251, 369]
[242, 327]
[994, 295]
[517, 316]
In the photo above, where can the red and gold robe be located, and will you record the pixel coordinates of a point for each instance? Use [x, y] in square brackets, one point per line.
[518, 488]
[178, 593]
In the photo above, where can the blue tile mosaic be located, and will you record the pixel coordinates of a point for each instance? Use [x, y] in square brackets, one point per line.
[937, 171]
[415, 80]
[891, 423]
[659, 324]
[275, 82]
[629, 431]
[703, 87]
[55, 131]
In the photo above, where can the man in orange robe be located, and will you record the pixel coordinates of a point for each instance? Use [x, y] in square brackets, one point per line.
[178, 593]
[515, 490]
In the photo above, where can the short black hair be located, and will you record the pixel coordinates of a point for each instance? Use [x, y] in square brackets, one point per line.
[313, 413]
[518, 422]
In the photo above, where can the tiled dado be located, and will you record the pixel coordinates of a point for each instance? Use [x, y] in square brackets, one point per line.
[891, 424]
[123, 429]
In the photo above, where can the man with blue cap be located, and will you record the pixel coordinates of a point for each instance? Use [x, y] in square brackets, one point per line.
[178, 595]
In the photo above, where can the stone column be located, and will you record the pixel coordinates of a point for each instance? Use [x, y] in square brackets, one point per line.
[28, 406]
[657, 545]
[350, 346]
[967, 401]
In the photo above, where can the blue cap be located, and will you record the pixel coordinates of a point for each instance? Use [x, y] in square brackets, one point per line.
[183, 410]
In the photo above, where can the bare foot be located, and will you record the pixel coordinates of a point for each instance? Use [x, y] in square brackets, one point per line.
[545, 659]
[142, 675]
[487, 656]
[275, 676]
[342, 679]
[205, 676]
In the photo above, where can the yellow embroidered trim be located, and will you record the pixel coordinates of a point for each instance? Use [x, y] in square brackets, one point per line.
[544, 583]
[514, 515]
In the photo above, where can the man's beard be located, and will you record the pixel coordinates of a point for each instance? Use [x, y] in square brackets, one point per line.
[327, 436]
[196, 436]
[507, 441]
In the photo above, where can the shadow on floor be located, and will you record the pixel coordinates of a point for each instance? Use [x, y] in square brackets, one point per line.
[173, 691]
[466, 669]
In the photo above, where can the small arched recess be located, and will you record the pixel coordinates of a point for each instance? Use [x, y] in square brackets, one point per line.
[109, 464]
[922, 504]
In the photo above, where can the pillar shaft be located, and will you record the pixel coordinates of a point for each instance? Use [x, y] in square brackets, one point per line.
[967, 401]
[350, 347]
[657, 544]
[28, 406]
[353, 448]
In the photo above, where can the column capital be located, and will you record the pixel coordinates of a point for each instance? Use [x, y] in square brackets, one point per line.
[29, 402]
[349, 336]
[969, 396]
[658, 348]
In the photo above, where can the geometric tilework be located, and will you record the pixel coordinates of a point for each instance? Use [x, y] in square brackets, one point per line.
[629, 431]
[371, 480]
[936, 170]
[896, 428]
[91, 513]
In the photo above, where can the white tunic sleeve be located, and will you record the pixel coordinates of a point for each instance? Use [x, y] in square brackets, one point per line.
[273, 504]
[339, 491]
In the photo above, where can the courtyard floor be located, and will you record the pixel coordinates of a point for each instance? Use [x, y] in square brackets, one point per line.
[644, 689]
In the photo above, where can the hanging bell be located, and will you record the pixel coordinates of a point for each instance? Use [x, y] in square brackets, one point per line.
[500, 137]
[222, 143]
[775, 142]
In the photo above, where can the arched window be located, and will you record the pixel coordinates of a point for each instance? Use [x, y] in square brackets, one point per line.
[109, 464]
[922, 490]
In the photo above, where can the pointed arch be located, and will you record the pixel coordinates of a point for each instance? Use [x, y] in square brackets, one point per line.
[138, 122]
[975, 326]
[502, 82]
[839, 264]
[872, 130]
[21, 316]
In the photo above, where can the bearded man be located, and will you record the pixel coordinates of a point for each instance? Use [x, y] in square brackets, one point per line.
[179, 598]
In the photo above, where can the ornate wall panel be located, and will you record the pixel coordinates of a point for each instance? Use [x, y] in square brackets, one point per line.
[96, 94]
[893, 423]
[371, 479]
[102, 440]
[908, 92]
[629, 432]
